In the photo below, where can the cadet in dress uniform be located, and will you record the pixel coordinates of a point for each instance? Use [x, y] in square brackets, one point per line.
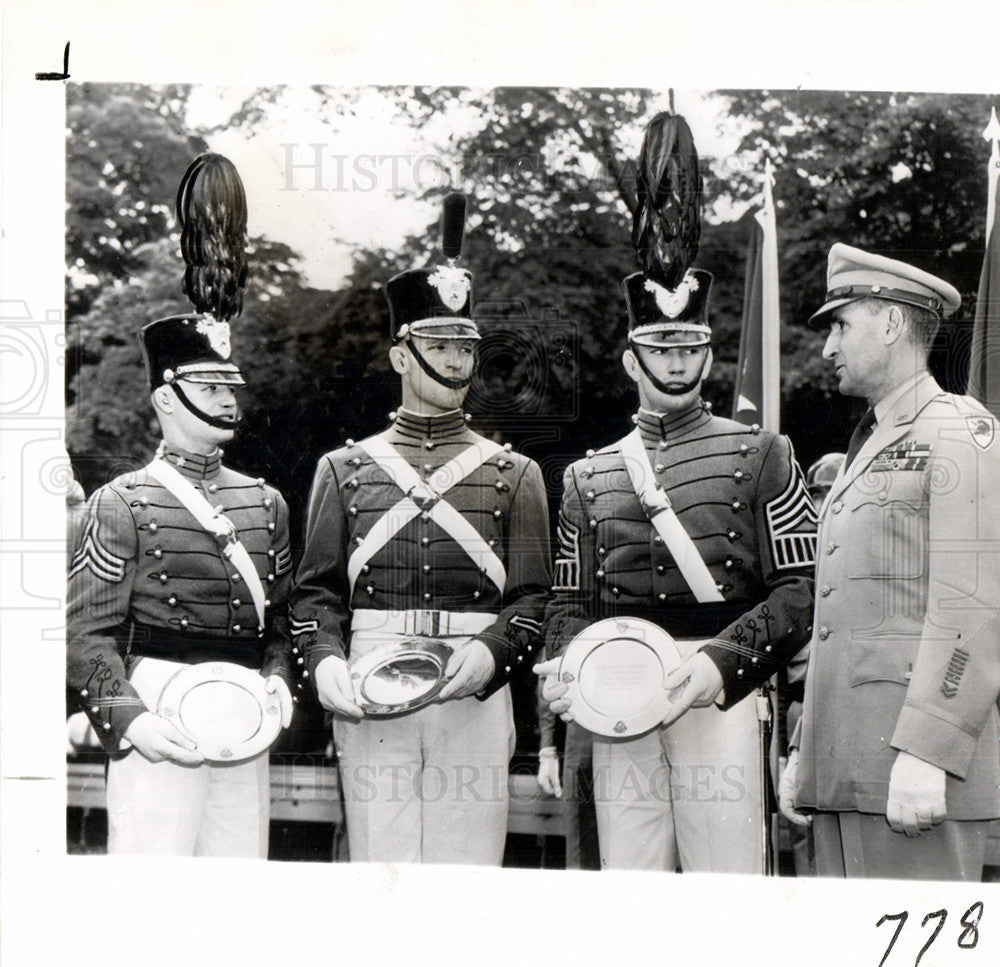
[688, 793]
[718, 550]
[151, 591]
[900, 720]
[425, 530]
[184, 562]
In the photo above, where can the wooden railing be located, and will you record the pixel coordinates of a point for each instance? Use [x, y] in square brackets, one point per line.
[309, 792]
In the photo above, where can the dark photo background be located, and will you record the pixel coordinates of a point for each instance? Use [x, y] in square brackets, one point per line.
[550, 187]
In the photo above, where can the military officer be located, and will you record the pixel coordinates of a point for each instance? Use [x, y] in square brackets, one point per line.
[689, 791]
[428, 531]
[897, 765]
[152, 591]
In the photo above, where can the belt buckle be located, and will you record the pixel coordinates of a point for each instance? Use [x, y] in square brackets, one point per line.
[426, 623]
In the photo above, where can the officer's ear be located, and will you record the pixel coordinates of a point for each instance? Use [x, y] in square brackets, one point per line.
[399, 358]
[631, 365]
[893, 325]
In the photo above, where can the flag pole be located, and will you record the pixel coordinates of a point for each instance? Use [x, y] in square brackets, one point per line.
[757, 396]
[992, 134]
[984, 371]
[771, 331]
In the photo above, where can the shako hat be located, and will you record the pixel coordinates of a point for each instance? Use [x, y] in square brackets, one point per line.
[668, 296]
[436, 301]
[194, 347]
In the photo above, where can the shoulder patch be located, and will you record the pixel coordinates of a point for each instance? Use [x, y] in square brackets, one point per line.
[791, 524]
[982, 429]
[92, 555]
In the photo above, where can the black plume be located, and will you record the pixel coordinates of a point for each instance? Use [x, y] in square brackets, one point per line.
[666, 224]
[212, 212]
[453, 224]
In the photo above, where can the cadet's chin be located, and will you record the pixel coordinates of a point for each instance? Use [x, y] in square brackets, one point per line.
[225, 434]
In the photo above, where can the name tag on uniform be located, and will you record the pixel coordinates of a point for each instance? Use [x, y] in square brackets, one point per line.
[903, 456]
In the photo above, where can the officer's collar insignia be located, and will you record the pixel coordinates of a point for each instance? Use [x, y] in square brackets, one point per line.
[217, 333]
[452, 284]
[982, 428]
[672, 304]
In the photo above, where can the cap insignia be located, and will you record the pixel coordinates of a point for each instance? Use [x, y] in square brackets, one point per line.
[217, 334]
[672, 304]
[452, 285]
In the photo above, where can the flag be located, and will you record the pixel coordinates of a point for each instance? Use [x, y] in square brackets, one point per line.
[984, 369]
[757, 398]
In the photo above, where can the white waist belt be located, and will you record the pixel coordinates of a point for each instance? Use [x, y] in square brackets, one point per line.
[418, 622]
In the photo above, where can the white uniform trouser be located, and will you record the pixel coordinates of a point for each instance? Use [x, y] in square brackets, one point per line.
[161, 808]
[428, 786]
[687, 794]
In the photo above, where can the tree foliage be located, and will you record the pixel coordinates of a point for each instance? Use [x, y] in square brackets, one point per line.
[551, 187]
[901, 174]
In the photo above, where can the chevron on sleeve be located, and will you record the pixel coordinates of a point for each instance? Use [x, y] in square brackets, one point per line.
[93, 555]
[567, 563]
[297, 628]
[283, 561]
[791, 524]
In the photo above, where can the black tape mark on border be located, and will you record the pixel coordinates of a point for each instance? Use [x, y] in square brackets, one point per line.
[51, 76]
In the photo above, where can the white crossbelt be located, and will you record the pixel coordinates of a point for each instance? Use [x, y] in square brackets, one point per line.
[433, 624]
[427, 497]
[656, 506]
[217, 524]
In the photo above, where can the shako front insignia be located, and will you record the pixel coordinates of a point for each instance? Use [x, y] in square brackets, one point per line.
[672, 304]
[452, 285]
[217, 334]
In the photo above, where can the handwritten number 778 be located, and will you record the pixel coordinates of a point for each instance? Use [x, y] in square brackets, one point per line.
[967, 939]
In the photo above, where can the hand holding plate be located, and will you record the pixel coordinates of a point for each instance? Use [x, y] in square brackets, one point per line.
[468, 670]
[552, 690]
[696, 683]
[275, 685]
[333, 686]
[157, 739]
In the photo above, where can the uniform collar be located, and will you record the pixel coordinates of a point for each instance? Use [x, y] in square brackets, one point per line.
[439, 427]
[655, 427]
[903, 403]
[197, 466]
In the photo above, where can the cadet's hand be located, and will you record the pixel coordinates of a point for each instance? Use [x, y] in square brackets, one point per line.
[467, 671]
[548, 771]
[552, 690]
[333, 686]
[788, 783]
[916, 795]
[157, 739]
[275, 685]
[696, 683]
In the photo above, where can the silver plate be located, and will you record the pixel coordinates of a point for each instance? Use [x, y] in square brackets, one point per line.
[614, 672]
[224, 708]
[401, 676]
